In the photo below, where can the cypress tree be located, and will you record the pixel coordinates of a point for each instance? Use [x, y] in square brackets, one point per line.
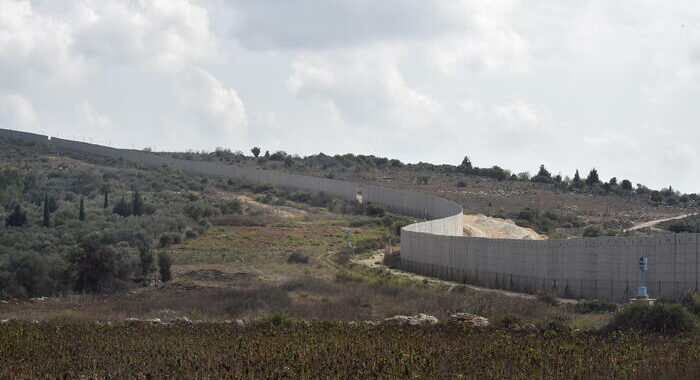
[17, 218]
[122, 208]
[82, 209]
[46, 209]
[105, 191]
[137, 204]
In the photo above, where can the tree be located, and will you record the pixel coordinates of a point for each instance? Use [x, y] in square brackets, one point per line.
[592, 178]
[122, 208]
[577, 179]
[145, 257]
[11, 185]
[46, 209]
[267, 154]
[137, 204]
[164, 263]
[613, 181]
[81, 215]
[98, 267]
[656, 196]
[626, 185]
[466, 164]
[542, 176]
[255, 151]
[17, 218]
[105, 191]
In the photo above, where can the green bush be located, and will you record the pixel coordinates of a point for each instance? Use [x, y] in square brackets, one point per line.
[668, 319]
[692, 303]
[592, 231]
[298, 258]
[588, 307]
[169, 238]
[375, 210]
[164, 264]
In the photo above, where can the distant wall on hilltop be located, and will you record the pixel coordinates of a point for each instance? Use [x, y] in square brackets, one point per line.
[603, 268]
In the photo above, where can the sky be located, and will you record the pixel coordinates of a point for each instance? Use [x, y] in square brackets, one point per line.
[571, 84]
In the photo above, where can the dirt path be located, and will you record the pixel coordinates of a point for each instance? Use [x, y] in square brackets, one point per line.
[653, 223]
[375, 261]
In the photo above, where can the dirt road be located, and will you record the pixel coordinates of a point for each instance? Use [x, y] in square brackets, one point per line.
[653, 223]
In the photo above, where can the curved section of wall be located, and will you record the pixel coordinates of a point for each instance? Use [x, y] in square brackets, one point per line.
[602, 268]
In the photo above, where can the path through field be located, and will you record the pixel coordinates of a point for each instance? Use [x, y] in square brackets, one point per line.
[653, 223]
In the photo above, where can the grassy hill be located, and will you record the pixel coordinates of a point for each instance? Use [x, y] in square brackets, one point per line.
[203, 277]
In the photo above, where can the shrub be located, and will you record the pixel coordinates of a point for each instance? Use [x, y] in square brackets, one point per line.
[17, 217]
[509, 321]
[298, 258]
[164, 264]
[198, 210]
[592, 231]
[587, 307]
[100, 268]
[375, 210]
[548, 298]
[668, 319]
[692, 303]
[122, 208]
[169, 238]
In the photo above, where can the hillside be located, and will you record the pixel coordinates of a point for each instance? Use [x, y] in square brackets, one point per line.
[106, 252]
[555, 206]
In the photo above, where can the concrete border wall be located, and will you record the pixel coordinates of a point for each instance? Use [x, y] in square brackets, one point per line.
[603, 268]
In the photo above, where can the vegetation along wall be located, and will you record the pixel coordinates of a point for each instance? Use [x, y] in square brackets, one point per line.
[603, 268]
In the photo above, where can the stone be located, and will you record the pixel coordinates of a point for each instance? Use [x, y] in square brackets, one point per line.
[415, 320]
[467, 319]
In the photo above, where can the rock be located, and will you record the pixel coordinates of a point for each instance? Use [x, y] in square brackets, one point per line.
[4, 321]
[38, 299]
[415, 320]
[132, 320]
[153, 320]
[471, 320]
[371, 323]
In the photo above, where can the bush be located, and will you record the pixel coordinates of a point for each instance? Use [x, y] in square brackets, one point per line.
[164, 264]
[668, 319]
[588, 307]
[169, 238]
[17, 218]
[298, 258]
[548, 298]
[692, 303]
[375, 210]
[509, 321]
[101, 268]
[592, 231]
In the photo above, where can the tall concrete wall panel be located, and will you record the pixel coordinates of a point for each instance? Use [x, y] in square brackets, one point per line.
[24, 136]
[603, 268]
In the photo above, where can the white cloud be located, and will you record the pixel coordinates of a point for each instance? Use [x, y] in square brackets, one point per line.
[33, 45]
[92, 117]
[365, 87]
[487, 42]
[217, 109]
[16, 111]
[44, 40]
[164, 34]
